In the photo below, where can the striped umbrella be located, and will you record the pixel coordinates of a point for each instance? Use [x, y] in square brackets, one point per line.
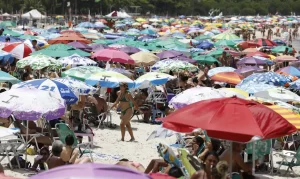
[226, 36]
[288, 114]
[18, 50]
[265, 42]
[82, 72]
[227, 77]
[109, 79]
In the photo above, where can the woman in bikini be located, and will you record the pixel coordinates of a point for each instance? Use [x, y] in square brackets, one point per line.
[126, 103]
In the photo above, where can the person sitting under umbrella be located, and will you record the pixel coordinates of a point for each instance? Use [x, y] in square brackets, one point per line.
[55, 160]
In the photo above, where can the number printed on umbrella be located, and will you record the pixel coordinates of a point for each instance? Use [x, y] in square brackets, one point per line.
[47, 88]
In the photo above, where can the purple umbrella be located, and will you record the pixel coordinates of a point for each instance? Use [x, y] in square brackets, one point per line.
[129, 50]
[185, 59]
[248, 69]
[90, 171]
[81, 46]
[251, 61]
[96, 47]
[169, 54]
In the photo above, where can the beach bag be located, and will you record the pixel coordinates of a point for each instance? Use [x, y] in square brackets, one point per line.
[23, 163]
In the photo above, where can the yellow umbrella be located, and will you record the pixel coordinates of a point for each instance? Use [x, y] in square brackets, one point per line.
[272, 57]
[140, 20]
[136, 24]
[288, 114]
[145, 58]
[237, 91]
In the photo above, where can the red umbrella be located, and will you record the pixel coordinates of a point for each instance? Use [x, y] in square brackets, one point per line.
[29, 32]
[160, 176]
[248, 44]
[265, 42]
[231, 119]
[261, 54]
[113, 55]
[228, 77]
[18, 50]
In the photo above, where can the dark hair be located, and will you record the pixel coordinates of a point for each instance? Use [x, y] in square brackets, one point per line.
[57, 148]
[175, 172]
[209, 154]
[2, 90]
[69, 140]
[217, 64]
[34, 41]
[195, 80]
[184, 78]
[171, 73]
[217, 86]
[7, 39]
[124, 160]
[24, 76]
[199, 140]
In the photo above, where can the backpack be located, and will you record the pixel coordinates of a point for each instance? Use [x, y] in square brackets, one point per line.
[23, 163]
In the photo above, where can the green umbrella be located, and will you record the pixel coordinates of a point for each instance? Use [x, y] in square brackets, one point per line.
[8, 24]
[228, 43]
[206, 59]
[281, 49]
[82, 73]
[30, 37]
[5, 77]
[61, 50]
[171, 43]
[104, 42]
[38, 62]
[202, 37]
[11, 33]
[225, 36]
[217, 53]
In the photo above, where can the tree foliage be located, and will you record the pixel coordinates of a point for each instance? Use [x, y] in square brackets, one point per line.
[158, 7]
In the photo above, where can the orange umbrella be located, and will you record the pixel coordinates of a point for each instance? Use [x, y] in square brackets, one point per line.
[228, 77]
[249, 50]
[68, 39]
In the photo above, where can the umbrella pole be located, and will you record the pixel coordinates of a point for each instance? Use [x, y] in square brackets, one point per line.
[253, 158]
[230, 159]
[27, 131]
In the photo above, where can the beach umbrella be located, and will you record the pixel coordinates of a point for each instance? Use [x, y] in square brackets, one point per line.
[227, 43]
[82, 72]
[167, 65]
[58, 88]
[61, 50]
[285, 58]
[260, 54]
[5, 77]
[104, 42]
[152, 79]
[29, 37]
[267, 78]
[202, 59]
[290, 70]
[251, 61]
[8, 24]
[280, 94]
[229, 92]
[202, 37]
[5, 57]
[113, 55]
[11, 33]
[4, 132]
[185, 59]
[145, 58]
[18, 50]
[279, 42]
[205, 45]
[169, 54]
[160, 132]
[227, 77]
[86, 25]
[79, 87]
[31, 104]
[281, 49]
[38, 62]
[225, 36]
[97, 47]
[109, 79]
[253, 87]
[265, 42]
[122, 71]
[217, 70]
[76, 60]
[11, 39]
[129, 50]
[250, 50]
[221, 119]
[217, 53]
[247, 44]
[148, 32]
[194, 95]
[91, 171]
[81, 46]
[248, 70]
[295, 85]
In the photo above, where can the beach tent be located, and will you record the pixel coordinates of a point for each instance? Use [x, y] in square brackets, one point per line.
[118, 14]
[33, 14]
[6, 15]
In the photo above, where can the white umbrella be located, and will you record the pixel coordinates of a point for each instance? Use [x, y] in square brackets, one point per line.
[160, 132]
[4, 132]
[78, 87]
[278, 94]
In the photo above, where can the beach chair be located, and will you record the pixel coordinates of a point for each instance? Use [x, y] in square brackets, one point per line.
[183, 156]
[12, 148]
[294, 158]
[63, 131]
[91, 114]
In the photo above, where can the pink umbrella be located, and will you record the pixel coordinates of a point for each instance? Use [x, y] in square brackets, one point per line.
[285, 58]
[18, 50]
[113, 55]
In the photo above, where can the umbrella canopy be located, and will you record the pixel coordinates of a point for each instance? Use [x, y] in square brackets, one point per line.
[253, 87]
[82, 72]
[91, 171]
[18, 50]
[61, 50]
[76, 60]
[29, 104]
[8, 24]
[217, 70]
[247, 44]
[227, 77]
[185, 59]
[251, 61]
[145, 58]
[248, 69]
[249, 50]
[231, 119]
[5, 77]
[260, 54]
[58, 88]
[225, 36]
[97, 47]
[202, 37]
[109, 79]
[113, 55]
[38, 62]
[169, 54]
[202, 59]
[265, 42]
[268, 78]
[205, 45]
[227, 43]
[281, 49]
[280, 94]
[285, 58]
[152, 79]
[290, 70]
[129, 50]
[86, 25]
[122, 71]
[217, 53]
[79, 87]
[81, 46]
[295, 85]
[160, 132]
[167, 65]
[68, 39]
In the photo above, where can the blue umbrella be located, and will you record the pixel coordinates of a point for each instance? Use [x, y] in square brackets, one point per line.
[254, 87]
[12, 39]
[295, 85]
[279, 42]
[148, 32]
[267, 78]
[86, 25]
[178, 35]
[53, 30]
[5, 57]
[50, 85]
[205, 45]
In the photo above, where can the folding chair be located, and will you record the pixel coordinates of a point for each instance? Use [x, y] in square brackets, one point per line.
[183, 156]
[63, 131]
[12, 148]
[294, 160]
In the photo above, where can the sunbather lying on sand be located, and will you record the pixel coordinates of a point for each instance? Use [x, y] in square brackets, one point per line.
[133, 165]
